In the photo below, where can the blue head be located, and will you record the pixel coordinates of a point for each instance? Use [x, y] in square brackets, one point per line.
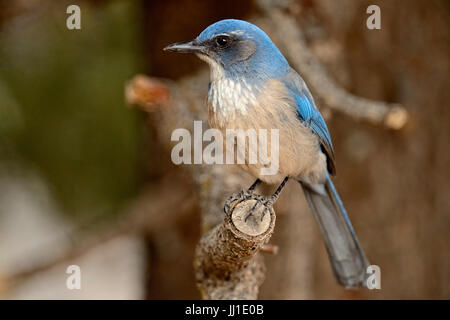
[236, 49]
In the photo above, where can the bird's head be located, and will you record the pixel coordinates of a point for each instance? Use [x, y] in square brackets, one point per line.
[236, 48]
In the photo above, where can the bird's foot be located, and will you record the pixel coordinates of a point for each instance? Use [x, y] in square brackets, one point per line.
[260, 201]
[267, 202]
[255, 208]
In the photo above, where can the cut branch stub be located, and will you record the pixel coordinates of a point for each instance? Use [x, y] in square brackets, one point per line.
[258, 224]
[227, 262]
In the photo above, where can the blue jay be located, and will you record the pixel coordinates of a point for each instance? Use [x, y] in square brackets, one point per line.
[253, 86]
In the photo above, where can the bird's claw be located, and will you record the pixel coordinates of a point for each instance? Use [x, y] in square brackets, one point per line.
[266, 202]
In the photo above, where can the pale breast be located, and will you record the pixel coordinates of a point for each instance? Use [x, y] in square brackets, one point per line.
[239, 106]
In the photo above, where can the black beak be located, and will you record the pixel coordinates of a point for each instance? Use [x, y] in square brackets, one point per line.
[185, 47]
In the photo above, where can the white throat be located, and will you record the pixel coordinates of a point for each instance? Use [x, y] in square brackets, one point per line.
[228, 96]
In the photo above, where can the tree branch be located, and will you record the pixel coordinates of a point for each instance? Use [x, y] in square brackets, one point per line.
[227, 262]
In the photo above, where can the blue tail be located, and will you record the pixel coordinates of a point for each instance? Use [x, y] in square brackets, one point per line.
[348, 261]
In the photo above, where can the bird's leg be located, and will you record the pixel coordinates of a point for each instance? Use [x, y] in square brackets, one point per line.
[269, 201]
[273, 198]
[254, 185]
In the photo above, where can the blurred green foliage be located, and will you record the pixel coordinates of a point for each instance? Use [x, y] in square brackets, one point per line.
[62, 108]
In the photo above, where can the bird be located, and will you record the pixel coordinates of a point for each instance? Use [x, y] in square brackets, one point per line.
[252, 86]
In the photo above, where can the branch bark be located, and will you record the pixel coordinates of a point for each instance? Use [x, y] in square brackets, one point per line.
[228, 265]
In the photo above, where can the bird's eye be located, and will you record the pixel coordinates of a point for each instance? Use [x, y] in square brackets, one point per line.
[222, 41]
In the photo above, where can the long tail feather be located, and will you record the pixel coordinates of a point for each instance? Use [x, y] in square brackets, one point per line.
[348, 261]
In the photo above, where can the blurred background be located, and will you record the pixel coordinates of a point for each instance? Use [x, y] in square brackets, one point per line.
[77, 164]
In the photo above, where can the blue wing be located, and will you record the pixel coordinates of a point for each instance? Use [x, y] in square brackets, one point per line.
[310, 115]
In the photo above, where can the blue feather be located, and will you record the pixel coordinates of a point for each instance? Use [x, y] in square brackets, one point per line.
[309, 114]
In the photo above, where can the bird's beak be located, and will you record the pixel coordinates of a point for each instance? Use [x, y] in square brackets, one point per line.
[185, 47]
